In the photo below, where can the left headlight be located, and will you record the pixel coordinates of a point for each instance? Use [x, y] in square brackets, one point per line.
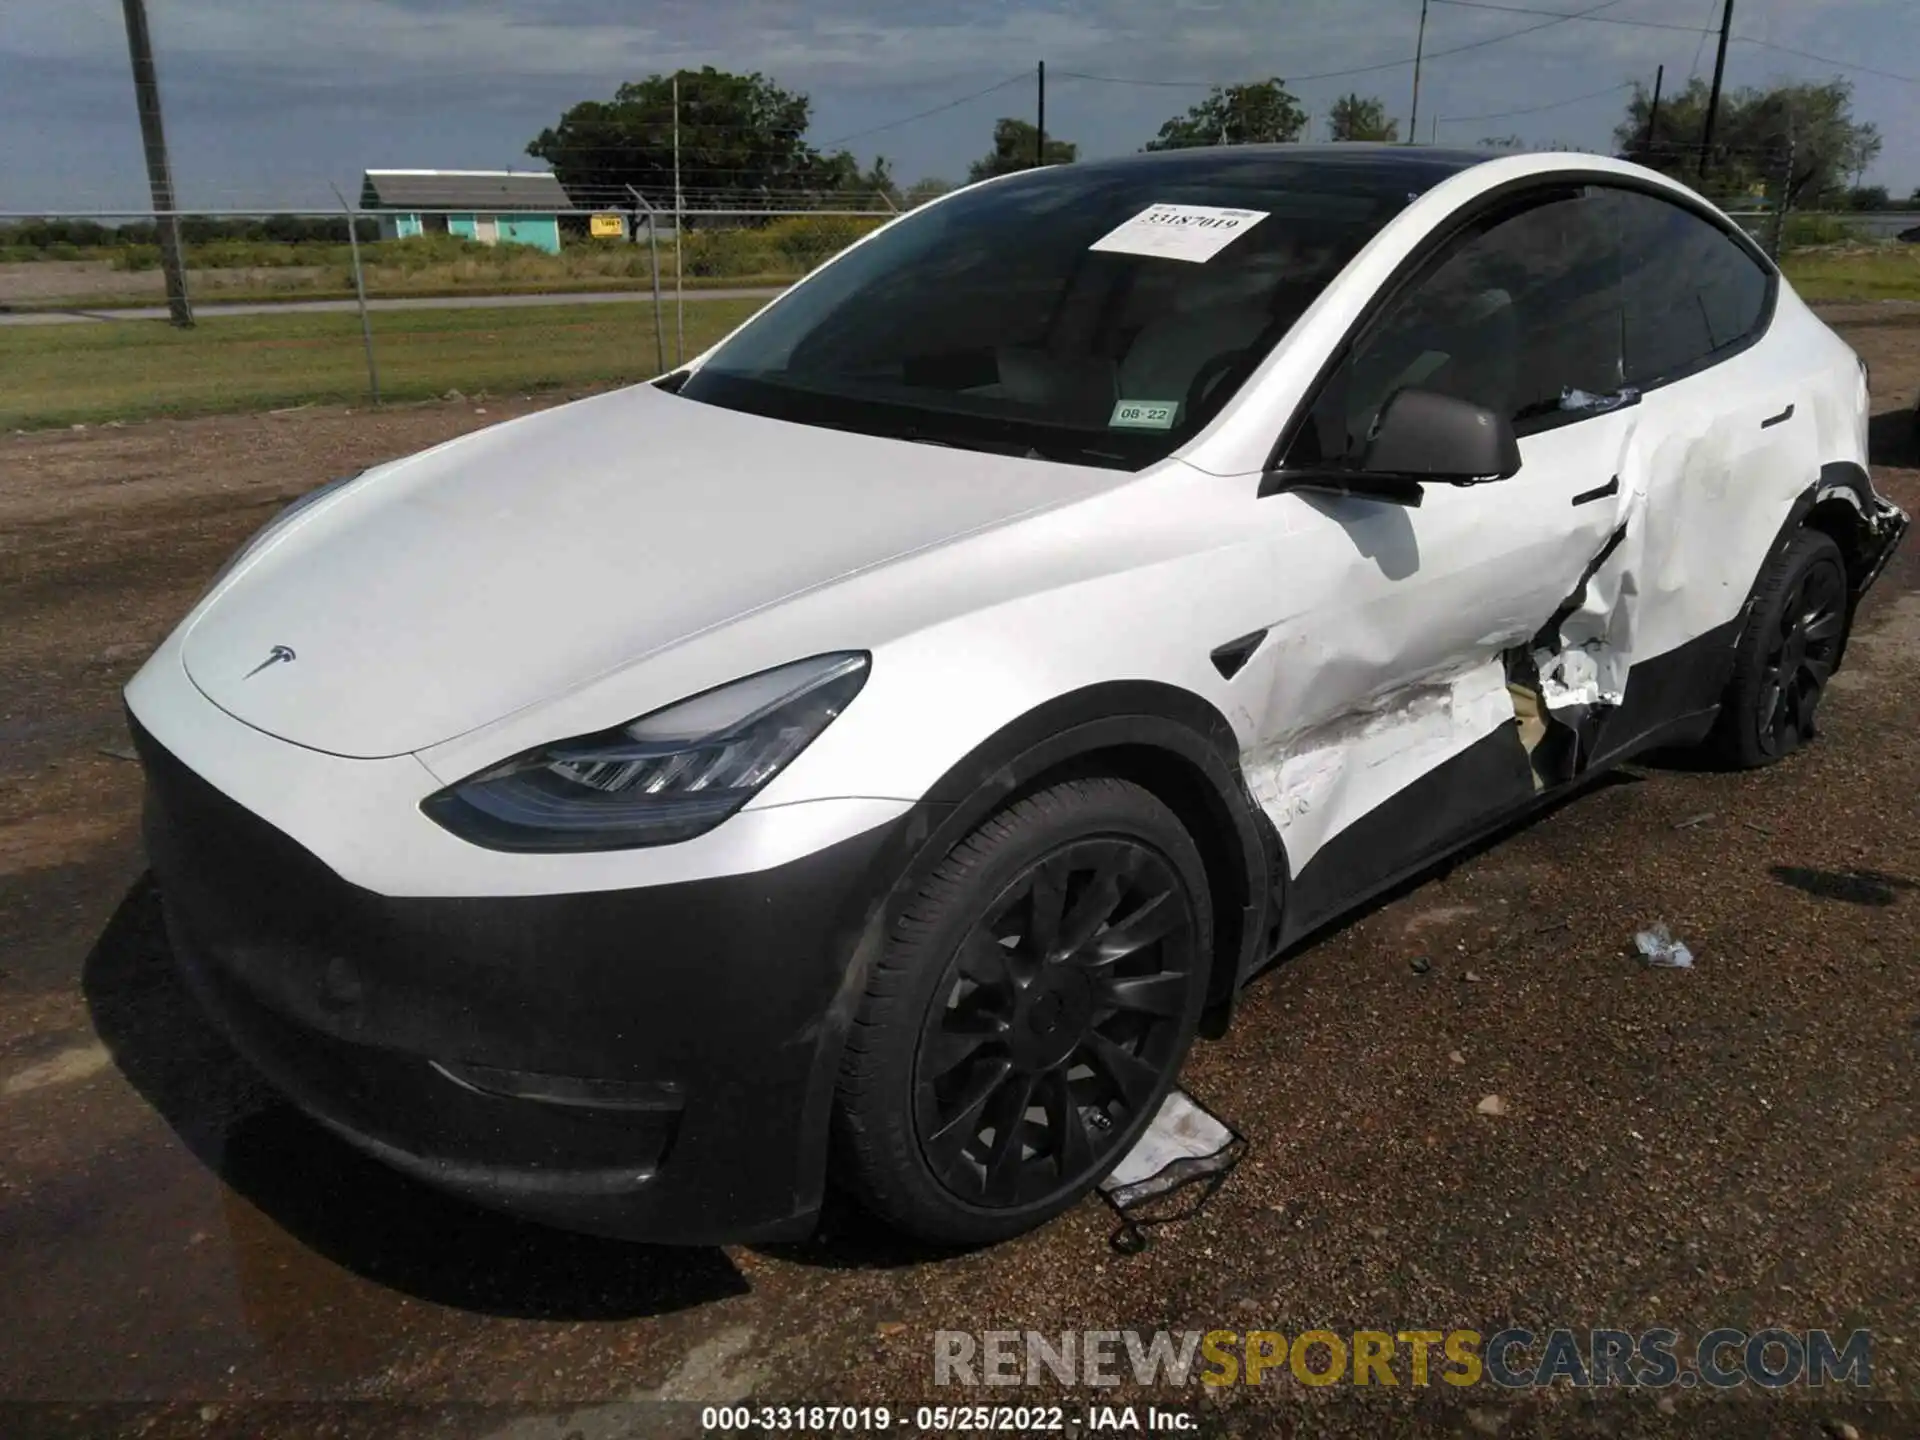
[668, 776]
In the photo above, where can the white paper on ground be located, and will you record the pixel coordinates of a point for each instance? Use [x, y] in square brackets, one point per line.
[1179, 232]
[1181, 1131]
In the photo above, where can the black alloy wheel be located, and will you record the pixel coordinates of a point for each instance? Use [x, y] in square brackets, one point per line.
[1802, 650]
[1059, 1016]
[1795, 635]
[1030, 1010]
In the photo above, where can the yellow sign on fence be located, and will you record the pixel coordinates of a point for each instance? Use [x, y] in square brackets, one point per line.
[607, 227]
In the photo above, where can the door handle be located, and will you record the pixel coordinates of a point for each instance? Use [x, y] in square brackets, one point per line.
[1780, 419]
[1587, 497]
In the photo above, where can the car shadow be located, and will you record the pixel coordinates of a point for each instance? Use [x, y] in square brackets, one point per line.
[357, 1213]
[1856, 887]
[848, 1238]
[1893, 437]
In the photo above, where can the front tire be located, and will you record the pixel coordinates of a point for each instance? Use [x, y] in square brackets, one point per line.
[1032, 1009]
[1795, 633]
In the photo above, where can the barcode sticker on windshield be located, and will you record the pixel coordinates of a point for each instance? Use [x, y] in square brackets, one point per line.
[1179, 232]
[1144, 415]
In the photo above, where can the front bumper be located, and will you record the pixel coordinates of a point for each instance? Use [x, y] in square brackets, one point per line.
[652, 1063]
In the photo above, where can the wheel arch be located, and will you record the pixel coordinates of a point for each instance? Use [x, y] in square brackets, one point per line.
[1173, 744]
[1838, 506]
[1169, 741]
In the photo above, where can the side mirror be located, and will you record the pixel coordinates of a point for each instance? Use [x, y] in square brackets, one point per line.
[1422, 435]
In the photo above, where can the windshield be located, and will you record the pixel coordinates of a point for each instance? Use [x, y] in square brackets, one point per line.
[1096, 313]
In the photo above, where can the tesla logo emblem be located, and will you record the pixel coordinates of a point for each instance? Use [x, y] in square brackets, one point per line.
[274, 657]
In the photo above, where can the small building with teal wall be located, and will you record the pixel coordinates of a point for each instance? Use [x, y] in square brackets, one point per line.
[493, 207]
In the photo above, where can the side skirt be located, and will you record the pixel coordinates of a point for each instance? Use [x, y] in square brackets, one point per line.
[1671, 699]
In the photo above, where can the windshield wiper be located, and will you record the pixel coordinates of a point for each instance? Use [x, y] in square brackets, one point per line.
[1017, 448]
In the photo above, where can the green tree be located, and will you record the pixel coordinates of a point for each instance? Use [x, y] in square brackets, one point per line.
[1356, 117]
[921, 191]
[1262, 113]
[742, 137]
[1756, 133]
[1014, 143]
[1869, 197]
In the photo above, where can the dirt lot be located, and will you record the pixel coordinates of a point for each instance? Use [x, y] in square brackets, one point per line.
[1735, 1145]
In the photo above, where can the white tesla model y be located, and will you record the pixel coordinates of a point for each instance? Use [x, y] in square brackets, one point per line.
[874, 751]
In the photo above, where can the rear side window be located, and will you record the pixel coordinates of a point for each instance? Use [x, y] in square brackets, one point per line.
[1690, 293]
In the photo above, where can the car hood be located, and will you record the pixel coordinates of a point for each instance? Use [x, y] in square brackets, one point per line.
[511, 566]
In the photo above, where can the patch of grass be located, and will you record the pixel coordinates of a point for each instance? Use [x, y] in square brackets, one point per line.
[778, 251]
[116, 370]
[417, 288]
[1855, 272]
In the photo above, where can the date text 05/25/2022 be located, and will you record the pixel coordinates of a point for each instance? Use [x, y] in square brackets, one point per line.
[946, 1419]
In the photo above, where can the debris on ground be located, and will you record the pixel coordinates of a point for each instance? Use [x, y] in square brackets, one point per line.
[1694, 820]
[1661, 950]
[1491, 1105]
[1186, 1146]
[1420, 964]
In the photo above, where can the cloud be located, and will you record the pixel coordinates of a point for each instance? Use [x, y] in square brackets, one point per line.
[291, 94]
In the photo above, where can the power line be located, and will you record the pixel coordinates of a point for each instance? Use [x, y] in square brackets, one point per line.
[1558, 19]
[1825, 59]
[1354, 70]
[923, 114]
[1537, 109]
[1203, 84]
[1701, 49]
[1561, 15]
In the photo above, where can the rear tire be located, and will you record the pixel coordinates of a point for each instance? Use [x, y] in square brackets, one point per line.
[1795, 633]
[1034, 1004]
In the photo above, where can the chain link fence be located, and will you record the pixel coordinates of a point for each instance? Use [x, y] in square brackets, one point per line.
[422, 303]
[335, 305]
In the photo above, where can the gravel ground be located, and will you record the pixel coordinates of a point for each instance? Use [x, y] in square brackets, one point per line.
[1731, 1145]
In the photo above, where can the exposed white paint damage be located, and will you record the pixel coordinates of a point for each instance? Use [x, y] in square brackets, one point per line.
[1315, 784]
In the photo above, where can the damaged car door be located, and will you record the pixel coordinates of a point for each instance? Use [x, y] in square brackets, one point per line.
[1390, 725]
[1729, 436]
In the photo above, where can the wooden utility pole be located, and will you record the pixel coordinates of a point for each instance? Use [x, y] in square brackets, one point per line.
[1719, 78]
[1653, 115]
[1040, 124]
[1419, 53]
[146, 95]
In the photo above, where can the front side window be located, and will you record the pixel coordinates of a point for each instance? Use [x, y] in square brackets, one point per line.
[1692, 294]
[1521, 315]
[991, 321]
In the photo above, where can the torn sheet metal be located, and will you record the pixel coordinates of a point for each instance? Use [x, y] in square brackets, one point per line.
[1398, 661]
[1589, 675]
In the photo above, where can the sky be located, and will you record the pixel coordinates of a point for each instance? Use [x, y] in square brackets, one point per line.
[270, 102]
